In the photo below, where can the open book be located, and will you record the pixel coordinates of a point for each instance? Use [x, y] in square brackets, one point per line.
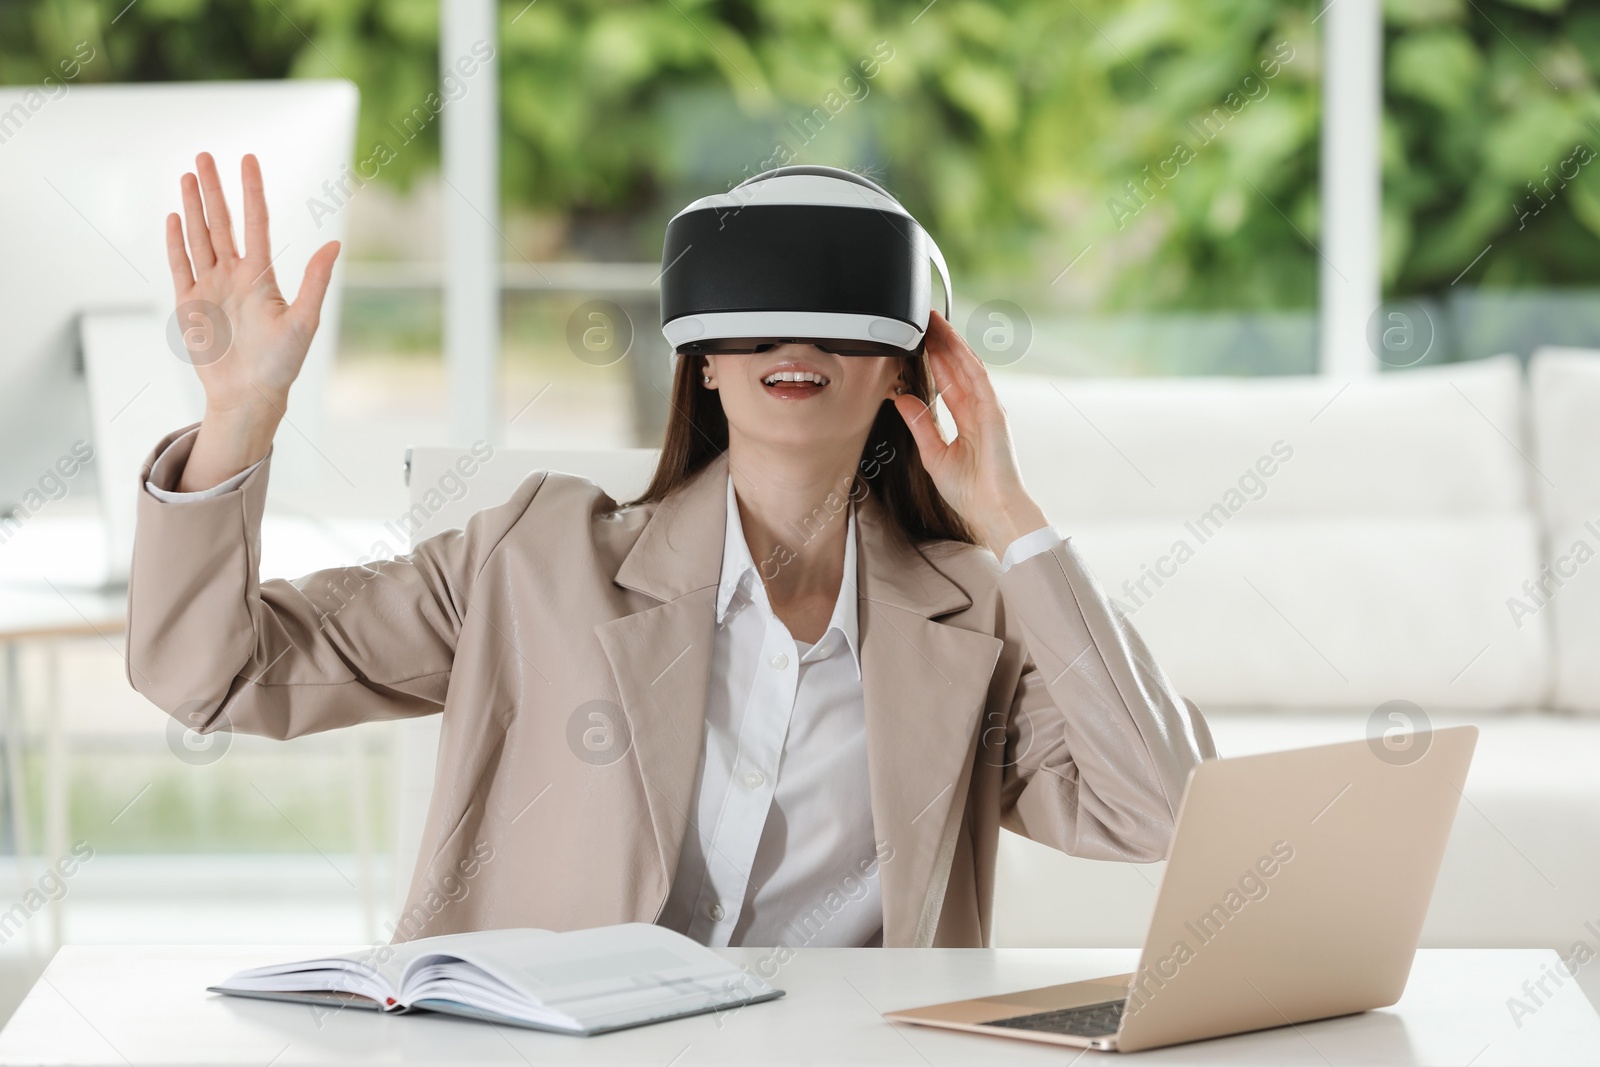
[579, 982]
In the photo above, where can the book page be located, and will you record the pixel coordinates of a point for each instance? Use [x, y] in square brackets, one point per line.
[376, 972]
[586, 979]
[351, 975]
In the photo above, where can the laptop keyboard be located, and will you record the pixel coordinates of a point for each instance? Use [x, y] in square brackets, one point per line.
[1091, 1020]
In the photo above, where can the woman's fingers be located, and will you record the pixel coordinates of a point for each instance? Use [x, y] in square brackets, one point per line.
[194, 224]
[964, 362]
[924, 430]
[946, 377]
[981, 401]
[942, 342]
[307, 306]
[257, 245]
[216, 206]
[178, 258]
[952, 387]
[942, 380]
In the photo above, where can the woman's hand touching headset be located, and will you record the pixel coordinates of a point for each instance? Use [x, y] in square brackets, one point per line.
[976, 472]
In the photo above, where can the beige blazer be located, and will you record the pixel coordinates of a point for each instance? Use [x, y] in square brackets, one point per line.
[1022, 699]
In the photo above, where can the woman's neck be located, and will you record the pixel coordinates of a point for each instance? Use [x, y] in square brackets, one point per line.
[794, 507]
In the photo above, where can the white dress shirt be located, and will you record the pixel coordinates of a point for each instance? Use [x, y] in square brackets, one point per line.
[780, 846]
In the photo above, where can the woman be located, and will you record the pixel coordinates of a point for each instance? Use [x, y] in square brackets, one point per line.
[839, 652]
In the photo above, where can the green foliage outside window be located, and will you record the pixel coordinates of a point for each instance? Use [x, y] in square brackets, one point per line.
[1013, 128]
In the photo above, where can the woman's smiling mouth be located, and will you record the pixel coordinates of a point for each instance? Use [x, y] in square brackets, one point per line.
[794, 383]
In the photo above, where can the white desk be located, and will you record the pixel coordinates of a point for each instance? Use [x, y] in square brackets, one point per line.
[147, 1004]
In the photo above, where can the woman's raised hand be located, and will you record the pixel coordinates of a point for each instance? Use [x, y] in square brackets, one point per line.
[977, 472]
[246, 341]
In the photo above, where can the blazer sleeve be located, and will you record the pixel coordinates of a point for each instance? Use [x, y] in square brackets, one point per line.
[217, 648]
[1099, 743]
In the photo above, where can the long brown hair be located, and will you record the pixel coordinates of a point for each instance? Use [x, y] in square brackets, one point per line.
[891, 466]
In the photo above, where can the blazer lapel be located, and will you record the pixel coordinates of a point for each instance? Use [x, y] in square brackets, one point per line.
[924, 686]
[661, 656]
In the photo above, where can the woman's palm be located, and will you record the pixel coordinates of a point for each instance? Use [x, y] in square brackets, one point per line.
[246, 341]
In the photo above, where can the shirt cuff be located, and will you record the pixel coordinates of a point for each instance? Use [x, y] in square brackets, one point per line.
[168, 496]
[1029, 545]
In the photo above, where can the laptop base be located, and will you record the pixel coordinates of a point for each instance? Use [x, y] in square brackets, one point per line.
[1023, 1014]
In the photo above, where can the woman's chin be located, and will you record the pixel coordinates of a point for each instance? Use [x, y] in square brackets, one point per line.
[797, 435]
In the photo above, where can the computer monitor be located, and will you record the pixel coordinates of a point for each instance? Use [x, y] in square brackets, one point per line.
[87, 178]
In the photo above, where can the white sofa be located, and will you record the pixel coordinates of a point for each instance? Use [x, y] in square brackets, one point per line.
[1375, 563]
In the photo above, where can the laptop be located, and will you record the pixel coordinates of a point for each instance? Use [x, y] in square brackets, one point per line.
[1295, 889]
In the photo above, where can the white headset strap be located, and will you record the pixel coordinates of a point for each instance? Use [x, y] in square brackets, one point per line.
[944, 273]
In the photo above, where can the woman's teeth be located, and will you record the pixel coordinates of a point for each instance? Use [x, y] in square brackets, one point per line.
[795, 376]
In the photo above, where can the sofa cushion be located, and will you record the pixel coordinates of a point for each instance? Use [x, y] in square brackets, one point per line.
[1302, 542]
[1443, 440]
[1332, 612]
[1564, 397]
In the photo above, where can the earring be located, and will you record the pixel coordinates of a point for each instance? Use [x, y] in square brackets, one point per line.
[706, 378]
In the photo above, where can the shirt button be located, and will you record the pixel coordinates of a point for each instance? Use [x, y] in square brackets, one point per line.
[780, 661]
[754, 779]
[717, 913]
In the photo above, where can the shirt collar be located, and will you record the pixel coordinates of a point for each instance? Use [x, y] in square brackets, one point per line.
[741, 579]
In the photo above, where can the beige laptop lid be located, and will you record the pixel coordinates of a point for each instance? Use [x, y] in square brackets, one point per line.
[1297, 886]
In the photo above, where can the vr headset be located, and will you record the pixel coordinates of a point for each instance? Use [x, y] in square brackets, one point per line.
[798, 255]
